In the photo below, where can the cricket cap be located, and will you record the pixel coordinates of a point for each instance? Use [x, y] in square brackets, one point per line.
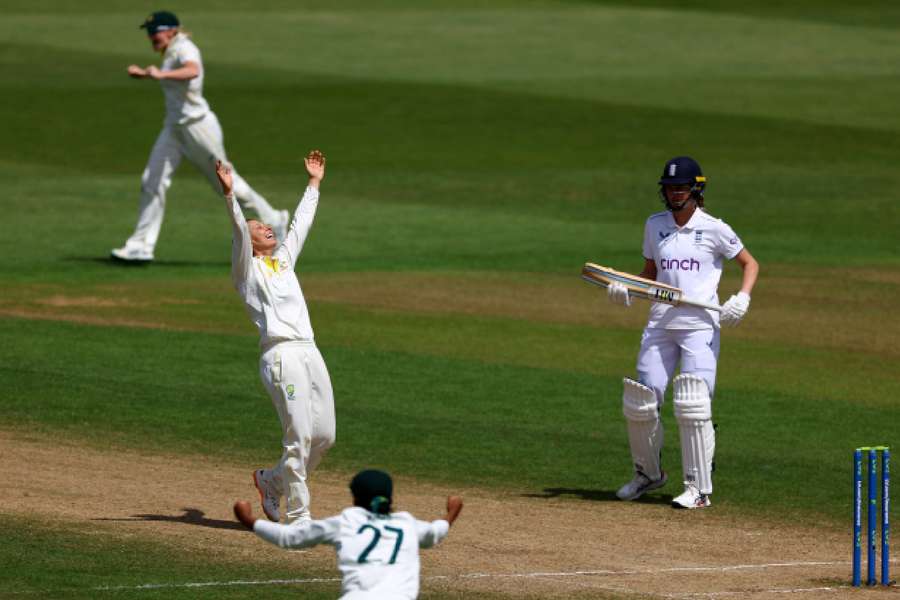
[372, 490]
[161, 20]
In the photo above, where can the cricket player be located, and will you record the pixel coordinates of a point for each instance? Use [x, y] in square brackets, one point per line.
[377, 550]
[291, 367]
[191, 130]
[685, 247]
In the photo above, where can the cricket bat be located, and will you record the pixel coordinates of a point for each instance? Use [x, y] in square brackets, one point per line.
[640, 287]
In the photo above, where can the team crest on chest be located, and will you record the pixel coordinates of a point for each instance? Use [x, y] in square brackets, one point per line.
[698, 237]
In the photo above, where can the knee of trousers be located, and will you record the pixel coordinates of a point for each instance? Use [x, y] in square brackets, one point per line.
[295, 458]
[638, 401]
[691, 398]
[151, 186]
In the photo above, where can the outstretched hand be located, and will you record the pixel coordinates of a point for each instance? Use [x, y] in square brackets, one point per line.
[315, 166]
[454, 506]
[223, 172]
[244, 513]
[136, 72]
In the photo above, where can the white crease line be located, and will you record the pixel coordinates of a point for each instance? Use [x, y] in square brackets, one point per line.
[536, 574]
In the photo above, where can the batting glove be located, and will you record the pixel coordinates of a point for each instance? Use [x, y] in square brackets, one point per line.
[735, 309]
[618, 294]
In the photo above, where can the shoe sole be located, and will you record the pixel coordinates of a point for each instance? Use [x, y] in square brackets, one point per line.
[654, 485]
[262, 500]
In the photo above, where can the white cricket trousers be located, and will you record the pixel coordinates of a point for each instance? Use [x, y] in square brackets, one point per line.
[296, 378]
[662, 349]
[201, 142]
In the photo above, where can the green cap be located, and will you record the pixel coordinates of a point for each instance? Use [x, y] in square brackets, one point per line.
[372, 490]
[161, 20]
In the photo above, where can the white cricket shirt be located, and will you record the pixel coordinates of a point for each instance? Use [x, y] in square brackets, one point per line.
[184, 99]
[378, 556]
[689, 258]
[268, 285]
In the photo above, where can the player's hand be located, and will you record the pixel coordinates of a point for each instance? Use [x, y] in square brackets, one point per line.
[244, 513]
[315, 166]
[136, 72]
[618, 294]
[734, 310]
[223, 172]
[454, 506]
[153, 72]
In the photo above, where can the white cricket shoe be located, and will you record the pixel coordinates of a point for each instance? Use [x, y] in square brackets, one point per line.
[640, 485]
[691, 498]
[281, 227]
[268, 497]
[131, 254]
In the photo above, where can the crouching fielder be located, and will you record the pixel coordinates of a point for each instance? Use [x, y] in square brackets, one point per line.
[377, 550]
[291, 366]
[685, 247]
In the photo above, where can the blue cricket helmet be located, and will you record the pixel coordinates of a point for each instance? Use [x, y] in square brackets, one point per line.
[683, 170]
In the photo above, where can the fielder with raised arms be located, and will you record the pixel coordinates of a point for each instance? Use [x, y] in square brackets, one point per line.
[684, 246]
[377, 550]
[191, 130]
[291, 367]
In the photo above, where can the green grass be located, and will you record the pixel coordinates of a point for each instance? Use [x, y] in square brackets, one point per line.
[466, 140]
[58, 560]
[43, 560]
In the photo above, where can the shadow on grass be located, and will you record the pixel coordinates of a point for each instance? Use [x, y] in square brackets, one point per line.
[191, 516]
[597, 495]
[130, 264]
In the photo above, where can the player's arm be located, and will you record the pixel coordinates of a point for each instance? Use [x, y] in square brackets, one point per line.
[750, 268]
[432, 533]
[737, 306]
[241, 246]
[306, 209]
[649, 271]
[137, 72]
[190, 70]
[306, 535]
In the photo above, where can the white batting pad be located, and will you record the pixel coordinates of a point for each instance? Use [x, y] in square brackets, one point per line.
[645, 432]
[693, 410]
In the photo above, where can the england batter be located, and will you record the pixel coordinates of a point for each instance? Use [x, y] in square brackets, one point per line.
[377, 550]
[291, 367]
[686, 247]
[190, 130]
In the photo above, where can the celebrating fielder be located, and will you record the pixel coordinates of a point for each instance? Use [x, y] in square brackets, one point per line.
[190, 130]
[377, 550]
[684, 247]
[291, 366]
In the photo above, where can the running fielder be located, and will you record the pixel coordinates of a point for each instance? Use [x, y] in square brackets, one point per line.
[377, 550]
[291, 367]
[191, 130]
[684, 247]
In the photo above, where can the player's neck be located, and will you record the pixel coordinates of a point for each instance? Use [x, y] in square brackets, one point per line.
[684, 215]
